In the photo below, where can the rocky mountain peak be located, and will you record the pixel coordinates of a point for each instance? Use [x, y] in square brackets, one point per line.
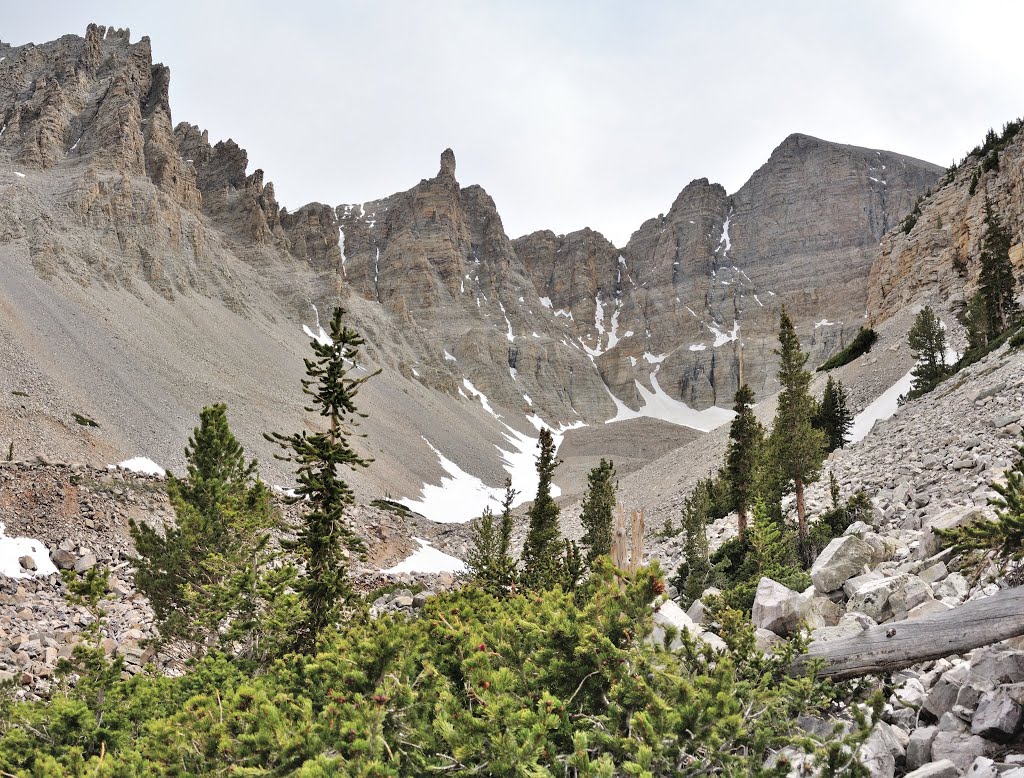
[447, 164]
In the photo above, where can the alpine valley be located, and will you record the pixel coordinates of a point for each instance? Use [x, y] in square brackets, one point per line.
[148, 271]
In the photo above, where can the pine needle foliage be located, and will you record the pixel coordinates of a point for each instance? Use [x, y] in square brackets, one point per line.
[927, 339]
[997, 282]
[797, 447]
[598, 510]
[860, 345]
[746, 436]
[201, 575]
[324, 535]
[490, 562]
[833, 416]
[696, 555]
[542, 563]
[545, 684]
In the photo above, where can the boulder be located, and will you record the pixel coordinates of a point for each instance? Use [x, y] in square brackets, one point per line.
[873, 597]
[998, 717]
[63, 559]
[940, 769]
[953, 517]
[850, 587]
[919, 747]
[883, 750]
[843, 558]
[85, 563]
[943, 694]
[782, 610]
[983, 767]
[961, 748]
[27, 563]
[911, 592]
[928, 608]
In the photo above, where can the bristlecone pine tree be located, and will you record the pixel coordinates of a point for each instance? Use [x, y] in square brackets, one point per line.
[927, 339]
[798, 447]
[833, 416]
[489, 559]
[542, 564]
[598, 510]
[745, 438]
[997, 283]
[324, 534]
[201, 575]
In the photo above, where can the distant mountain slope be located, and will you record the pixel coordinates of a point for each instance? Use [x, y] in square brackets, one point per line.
[146, 272]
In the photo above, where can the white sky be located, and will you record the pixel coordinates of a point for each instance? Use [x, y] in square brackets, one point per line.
[570, 114]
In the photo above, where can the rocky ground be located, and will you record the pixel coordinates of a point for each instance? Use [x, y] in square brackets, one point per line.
[81, 515]
[929, 466]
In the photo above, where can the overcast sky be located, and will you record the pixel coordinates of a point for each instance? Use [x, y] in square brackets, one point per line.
[570, 114]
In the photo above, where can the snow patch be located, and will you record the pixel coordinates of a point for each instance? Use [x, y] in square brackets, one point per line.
[545, 301]
[659, 405]
[721, 338]
[140, 465]
[318, 335]
[480, 396]
[698, 347]
[19, 175]
[882, 407]
[448, 357]
[427, 559]
[13, 548]
[654, 359]
[824, 323]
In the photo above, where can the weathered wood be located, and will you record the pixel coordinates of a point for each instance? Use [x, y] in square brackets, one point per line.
[900, 644]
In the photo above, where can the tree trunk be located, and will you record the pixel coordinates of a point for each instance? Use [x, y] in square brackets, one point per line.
[893, 646]
[741, 522]
[801, 516]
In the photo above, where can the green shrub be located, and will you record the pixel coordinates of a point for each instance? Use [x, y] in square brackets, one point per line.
[860, 345]
[536, 685]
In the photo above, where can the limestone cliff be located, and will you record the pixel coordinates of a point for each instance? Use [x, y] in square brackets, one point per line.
[936, 255]
[698, 290]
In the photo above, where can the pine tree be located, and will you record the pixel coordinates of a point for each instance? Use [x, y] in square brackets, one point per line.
[927, 339]
[833, 416]
[745, 438]
[695, 545]
[997, 283]
[202, 575]
[976, 321]
[489, 560]
[541, 552]
[324, 535]
[798, 447]
[598, 510]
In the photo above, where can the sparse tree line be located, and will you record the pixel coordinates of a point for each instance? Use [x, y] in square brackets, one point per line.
[543, 666]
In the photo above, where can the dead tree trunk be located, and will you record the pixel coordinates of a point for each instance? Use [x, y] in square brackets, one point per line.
[900, 644]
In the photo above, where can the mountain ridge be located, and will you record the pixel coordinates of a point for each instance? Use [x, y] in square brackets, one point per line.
[101, 190]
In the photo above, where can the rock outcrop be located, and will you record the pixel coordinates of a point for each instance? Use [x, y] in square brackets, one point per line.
[936, 255]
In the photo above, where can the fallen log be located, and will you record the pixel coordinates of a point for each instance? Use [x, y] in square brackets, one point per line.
[895, 645]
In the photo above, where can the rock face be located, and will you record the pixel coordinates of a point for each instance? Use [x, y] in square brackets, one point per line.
[939, 258]
[701, 286]
[102, 190]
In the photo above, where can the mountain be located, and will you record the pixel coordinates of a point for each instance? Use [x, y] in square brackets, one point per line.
[148, 272]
